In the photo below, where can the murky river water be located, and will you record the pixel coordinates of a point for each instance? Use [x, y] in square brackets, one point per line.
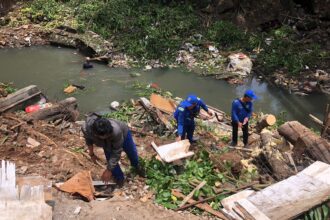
[52, 68]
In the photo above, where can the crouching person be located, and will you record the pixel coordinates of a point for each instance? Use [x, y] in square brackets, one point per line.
[114, 137]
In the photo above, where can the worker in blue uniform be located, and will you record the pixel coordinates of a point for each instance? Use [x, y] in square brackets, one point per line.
[185, 113]
[241, 112]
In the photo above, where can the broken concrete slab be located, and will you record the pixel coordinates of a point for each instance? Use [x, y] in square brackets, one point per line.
[18, 203]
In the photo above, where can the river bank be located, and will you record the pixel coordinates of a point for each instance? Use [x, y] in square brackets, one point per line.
[197, 53]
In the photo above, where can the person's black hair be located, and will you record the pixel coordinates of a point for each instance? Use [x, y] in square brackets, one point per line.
[102, 126]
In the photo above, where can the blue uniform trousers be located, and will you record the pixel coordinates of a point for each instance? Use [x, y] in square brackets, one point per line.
[130, 149]
[188, 130]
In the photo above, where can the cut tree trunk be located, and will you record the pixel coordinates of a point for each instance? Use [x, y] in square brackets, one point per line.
[276, 161]
[305, 141]
[19, 98]
[65, 109]
[265, 121]
[254, 140]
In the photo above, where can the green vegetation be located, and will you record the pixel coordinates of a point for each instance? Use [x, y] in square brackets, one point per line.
[7, 88]
[285, 51]
[124, 113]
[145, 90]
[150, 29]
[162, 178]
[145, 30]
[320, 212]
[226, 35]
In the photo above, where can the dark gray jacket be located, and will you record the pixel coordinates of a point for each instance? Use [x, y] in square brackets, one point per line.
[113, 144]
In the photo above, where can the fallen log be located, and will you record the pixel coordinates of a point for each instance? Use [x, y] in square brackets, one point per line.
[305, 141]
[265, 121]
[279, 167]
[65, 109]
[19, 99]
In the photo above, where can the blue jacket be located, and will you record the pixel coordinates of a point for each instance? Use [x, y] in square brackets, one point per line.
[238, 112]
[184, 116]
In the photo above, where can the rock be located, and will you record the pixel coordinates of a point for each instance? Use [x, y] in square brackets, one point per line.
[147, 67]
[88, 42]
[77, 210]
[114, 105]
[23, 169]
[32, 143]
[224, 5]
[313, 84]
[135, 74]
[213, 49]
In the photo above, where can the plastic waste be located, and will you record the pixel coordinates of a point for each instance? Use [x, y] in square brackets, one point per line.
[33, 108]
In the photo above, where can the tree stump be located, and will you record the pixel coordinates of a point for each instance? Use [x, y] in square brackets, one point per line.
[265, 121]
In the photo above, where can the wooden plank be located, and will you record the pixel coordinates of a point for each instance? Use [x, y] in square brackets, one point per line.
[229, 202]
[318, 170]
[231, 215]
[190, 195]
[18, 97]
[163, 104]
[316, 120]
[250, 211]
[163, 119]
[204, 207]
[291, 195]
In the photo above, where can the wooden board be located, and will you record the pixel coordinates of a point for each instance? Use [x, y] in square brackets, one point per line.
[163, 104]
[287, 199]
[319, 171]
[229, 202]
[250, 211]
[18, 97]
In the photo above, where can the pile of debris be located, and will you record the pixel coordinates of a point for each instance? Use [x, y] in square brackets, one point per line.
[48, 142]
[23, 36]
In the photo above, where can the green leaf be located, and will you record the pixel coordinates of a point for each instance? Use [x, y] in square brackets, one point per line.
[311, 214]
[196, 194]
[325, 210]
[318, 214]
[166, 194]
[169, 205]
